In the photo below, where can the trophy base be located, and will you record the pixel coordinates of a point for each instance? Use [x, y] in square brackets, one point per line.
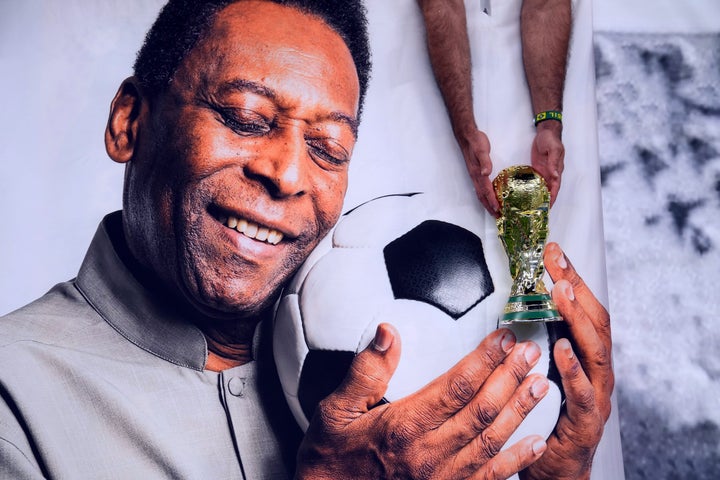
[529, 309]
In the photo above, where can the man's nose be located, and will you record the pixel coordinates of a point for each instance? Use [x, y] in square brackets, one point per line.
[282, 165]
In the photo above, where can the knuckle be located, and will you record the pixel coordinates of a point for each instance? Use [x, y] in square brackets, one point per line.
[585, 400]
[574, 370]
[601, 358]
[459, 391]
[578, 285]
[604, 320]
[524, 404]
[489, 356]
[518, 368]
[425, 469]
[400, 436]
[483, 415]
[489, 444]
[325, 414]
[494, 471]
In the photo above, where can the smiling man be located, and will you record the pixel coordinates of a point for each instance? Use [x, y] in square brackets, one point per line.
[236, 131]
[238, 169]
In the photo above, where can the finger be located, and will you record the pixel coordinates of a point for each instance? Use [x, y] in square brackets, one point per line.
[492, 398]
[482, 195]
[367, 379]
[555, 168]
[483, 187]
[480, 145]
[552, 181]
[513, 460]
[586, 408]
[506, 463]
[483, 157]
[528, 395]
[594, 351]
[488, 443]
[489, 196]
[556, 155]
[559, 267]
[449, 393]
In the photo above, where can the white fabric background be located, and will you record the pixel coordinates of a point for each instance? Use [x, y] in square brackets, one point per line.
[60, 64]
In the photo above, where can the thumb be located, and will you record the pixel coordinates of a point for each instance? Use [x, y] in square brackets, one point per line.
[369, 374]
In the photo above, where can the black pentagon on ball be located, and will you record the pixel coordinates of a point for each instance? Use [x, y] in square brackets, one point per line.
[441, 264]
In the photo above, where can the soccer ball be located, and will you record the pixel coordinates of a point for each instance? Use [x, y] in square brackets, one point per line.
[412, 261]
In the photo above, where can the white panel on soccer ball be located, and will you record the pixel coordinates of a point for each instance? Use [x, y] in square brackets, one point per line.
[375, 223]
[318, 252]
[340, 296]
[430, 339]
[289, 343]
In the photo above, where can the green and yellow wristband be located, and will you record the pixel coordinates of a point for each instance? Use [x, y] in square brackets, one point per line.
[547, 115]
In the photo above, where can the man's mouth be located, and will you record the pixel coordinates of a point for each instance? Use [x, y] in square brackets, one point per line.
[253, 230]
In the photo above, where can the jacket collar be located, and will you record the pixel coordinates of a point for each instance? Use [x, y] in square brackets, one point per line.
[143, 317]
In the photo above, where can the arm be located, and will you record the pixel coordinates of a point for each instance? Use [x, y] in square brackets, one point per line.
[449, 51]
[585, 367]
[453, 428]
[545, 29]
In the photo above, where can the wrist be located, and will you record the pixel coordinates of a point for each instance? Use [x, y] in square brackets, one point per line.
[554, 126]
[464, 135]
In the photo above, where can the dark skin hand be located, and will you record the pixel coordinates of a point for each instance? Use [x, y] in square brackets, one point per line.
[585, 367]
[453, 428]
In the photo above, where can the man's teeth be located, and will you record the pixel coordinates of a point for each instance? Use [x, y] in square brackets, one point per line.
[253, 230]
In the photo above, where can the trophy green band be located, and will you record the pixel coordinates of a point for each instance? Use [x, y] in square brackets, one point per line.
[523, 230]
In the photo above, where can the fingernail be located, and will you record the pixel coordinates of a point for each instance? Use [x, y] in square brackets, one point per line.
[568, 291]
[560, 261]
[566, 348]
[539, 387]
[532, 353]
[539, 446]
[507, 342]
[383, 339]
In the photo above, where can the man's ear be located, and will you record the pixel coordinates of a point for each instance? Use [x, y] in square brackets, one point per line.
[122, 128]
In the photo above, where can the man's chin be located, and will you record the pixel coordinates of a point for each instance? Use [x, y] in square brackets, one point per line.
[226, 304]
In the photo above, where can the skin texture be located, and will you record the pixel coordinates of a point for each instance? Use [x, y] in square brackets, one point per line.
[585, 366]
[259, 122]
[545, 29]
[451, 429]
[454, 427]
[266, 141]
[545, 32]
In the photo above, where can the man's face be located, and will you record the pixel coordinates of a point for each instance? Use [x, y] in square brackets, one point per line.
[241, 166]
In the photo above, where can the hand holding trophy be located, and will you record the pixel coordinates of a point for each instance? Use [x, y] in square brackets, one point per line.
[523, 229]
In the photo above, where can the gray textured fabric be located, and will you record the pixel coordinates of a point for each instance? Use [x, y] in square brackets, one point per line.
[100, 379]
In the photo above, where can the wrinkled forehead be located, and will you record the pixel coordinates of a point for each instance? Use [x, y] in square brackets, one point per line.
[274, 45]
[256, 30]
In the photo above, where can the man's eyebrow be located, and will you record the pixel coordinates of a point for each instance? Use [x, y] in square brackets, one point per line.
[243, 85]
[247, 86]
[346, 119]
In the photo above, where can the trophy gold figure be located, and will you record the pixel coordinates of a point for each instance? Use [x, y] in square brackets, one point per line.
[523, 229]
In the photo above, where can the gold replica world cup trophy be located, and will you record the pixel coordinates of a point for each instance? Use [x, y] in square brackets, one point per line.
[523, 229]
